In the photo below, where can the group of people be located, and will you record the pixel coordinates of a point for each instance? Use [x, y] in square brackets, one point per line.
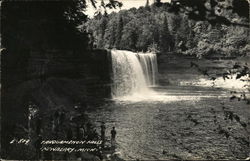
[103, 137]
[74, 126]
[84, 128]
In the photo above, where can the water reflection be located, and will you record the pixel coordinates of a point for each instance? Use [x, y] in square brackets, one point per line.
[148, 124]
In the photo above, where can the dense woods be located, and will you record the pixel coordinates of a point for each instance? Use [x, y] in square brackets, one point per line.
[170, 27]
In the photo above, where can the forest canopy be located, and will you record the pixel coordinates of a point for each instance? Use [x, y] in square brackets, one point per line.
[199, 28]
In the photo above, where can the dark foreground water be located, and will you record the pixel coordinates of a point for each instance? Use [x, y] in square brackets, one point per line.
[179, 123]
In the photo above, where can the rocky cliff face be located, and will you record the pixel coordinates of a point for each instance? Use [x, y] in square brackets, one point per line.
[174, 69]
[56, 74]
[51, 80]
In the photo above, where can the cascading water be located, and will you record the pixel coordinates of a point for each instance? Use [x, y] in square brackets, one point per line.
[133, 73]
[148, 62]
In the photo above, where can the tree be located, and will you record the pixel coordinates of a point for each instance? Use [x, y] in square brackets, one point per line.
[165, 37]
[110, 36]
[158, 3]
[130, 35]
[241, 7]
[147, 7]
[147, 4]
[210, 10]
[183, 33]
[101, 31]
[119, 32]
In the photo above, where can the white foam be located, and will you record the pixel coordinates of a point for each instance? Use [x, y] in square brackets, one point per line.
[160, 97]
[231, 83]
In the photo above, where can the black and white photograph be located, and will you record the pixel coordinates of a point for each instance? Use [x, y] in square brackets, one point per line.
[122, 80]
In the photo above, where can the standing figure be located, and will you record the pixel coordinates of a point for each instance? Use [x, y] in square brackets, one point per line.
[38, 125]
[113, 135]
[69, 134]
[38, 145]
[62, 117]
[103, 128]
[33, 112]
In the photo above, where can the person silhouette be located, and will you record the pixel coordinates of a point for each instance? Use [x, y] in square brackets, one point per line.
[103, 128]
[38, 125]
[38, 145]
[113, 135]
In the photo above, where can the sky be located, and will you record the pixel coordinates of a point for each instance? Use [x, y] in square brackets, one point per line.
[126, 5]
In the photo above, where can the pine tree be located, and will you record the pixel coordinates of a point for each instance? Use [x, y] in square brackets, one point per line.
[147, 3]
[147, 6]
[165, 37]
[102, 30]
[119, 32]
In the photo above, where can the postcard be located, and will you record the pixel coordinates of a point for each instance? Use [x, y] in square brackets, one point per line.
[125, 80]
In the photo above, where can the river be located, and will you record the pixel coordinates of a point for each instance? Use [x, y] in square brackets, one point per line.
[169, 122]
[168, 129]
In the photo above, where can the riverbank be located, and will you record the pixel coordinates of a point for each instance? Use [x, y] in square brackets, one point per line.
[177, 69]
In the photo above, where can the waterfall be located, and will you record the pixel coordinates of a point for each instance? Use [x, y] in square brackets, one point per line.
[133, 73]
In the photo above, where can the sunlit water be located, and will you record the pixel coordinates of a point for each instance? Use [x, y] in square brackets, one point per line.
[133, 73]
[147, 125]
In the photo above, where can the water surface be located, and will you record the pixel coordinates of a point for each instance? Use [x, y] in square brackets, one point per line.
[177, 122]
